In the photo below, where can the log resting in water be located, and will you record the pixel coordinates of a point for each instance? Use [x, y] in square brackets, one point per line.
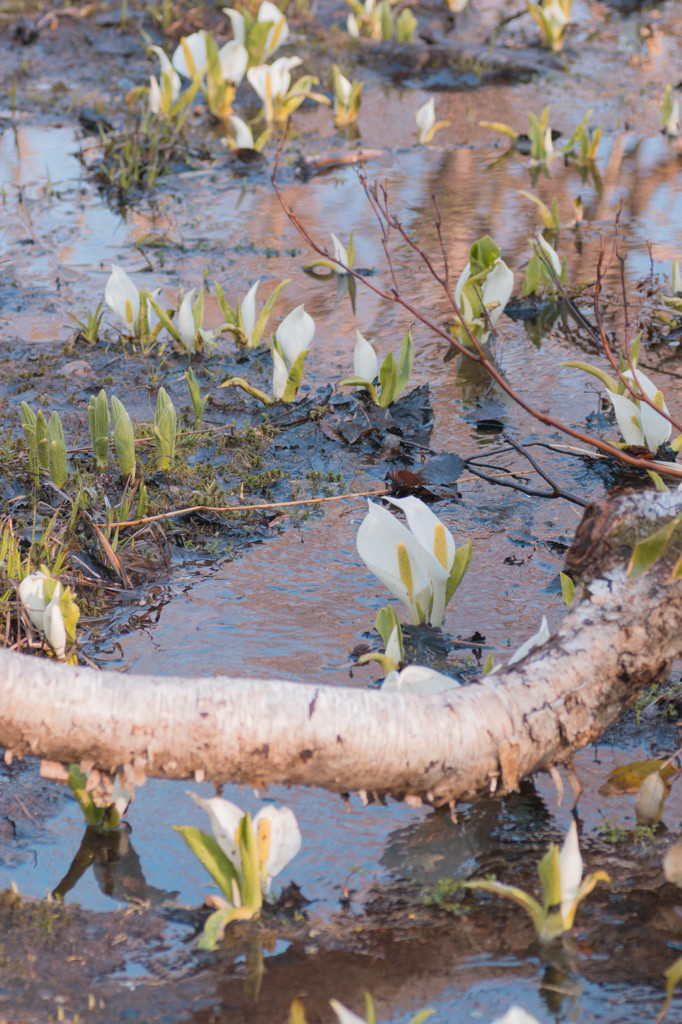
[619, 637]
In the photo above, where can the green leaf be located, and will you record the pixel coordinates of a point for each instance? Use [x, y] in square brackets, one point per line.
[489, 664]
[672, 978]
[421, 1016]
[239, 382]
[230, 315]
[460, 565]
[124, 438]
[294, 379]
[388, 375]
[41, 438]
[198, 403]
[386, 621]
[647, 552]
[77, 782]
[567, 588]
[550, 878]
[162, 315]
[629, 777]
[99, 421]
[604, 377]
[252, 883]
[262, 320]
[360, 382]
[217, 922]
[510, 892]
[498, 126]
[405, 361]
[213, 858]
[482, 256]
[56, 451]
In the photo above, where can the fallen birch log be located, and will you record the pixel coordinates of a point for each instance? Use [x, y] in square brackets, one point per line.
[619, 637]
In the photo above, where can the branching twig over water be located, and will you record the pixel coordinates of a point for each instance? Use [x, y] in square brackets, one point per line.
[390, 225]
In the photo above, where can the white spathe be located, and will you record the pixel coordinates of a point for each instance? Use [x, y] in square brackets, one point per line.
[233, 60]
[53, 625]
[122, 296]
[243, 136]
[345, 1015]
[516, 1015]
[280, 375]
[185, 322]
[495, 291]
[196, 45]
[248, 311]
[551, 254]
[365, 361]
[271, 81]
[45, 616]
[340, 254]
[343, 86]
[426, 119]
[437, 542]
[279, 33]
[155, 90]
[570, 872]
[295, 334]
[639, 424]
[32, 594]
[536, 640]
[418, 679]
[413, 564]
[275, 829]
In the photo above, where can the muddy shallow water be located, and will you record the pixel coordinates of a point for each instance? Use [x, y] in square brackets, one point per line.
[295, 601]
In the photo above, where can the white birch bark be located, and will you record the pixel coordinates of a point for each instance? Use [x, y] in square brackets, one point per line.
[620, 636]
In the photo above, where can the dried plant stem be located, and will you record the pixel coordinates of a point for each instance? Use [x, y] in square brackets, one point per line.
[378, 200]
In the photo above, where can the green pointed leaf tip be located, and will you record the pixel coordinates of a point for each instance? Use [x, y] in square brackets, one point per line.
[56, 451]
[482, 256]
[124, 437]
[386, 621]
[567, 588]
[251, 882]
[550, 878]
[294, 379]
[647, 551]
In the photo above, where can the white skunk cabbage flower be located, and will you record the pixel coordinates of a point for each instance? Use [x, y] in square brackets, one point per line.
[272, 82]
[340, 254]
[496, 292]
[122, 296]
[638, 423]
[427, 126]
[45, 616]
[243, 136]
[551, 254]
[416, 563]
[155, 90]
[185, 321]
[275, 829]
[365, 359]
[294, 336]
[418, 679]
[190, 55]
[279, 31]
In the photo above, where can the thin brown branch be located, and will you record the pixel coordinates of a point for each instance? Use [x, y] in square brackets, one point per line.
[478, 354]
[243, 508]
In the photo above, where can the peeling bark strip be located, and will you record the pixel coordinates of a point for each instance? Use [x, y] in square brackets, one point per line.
[619, 637]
